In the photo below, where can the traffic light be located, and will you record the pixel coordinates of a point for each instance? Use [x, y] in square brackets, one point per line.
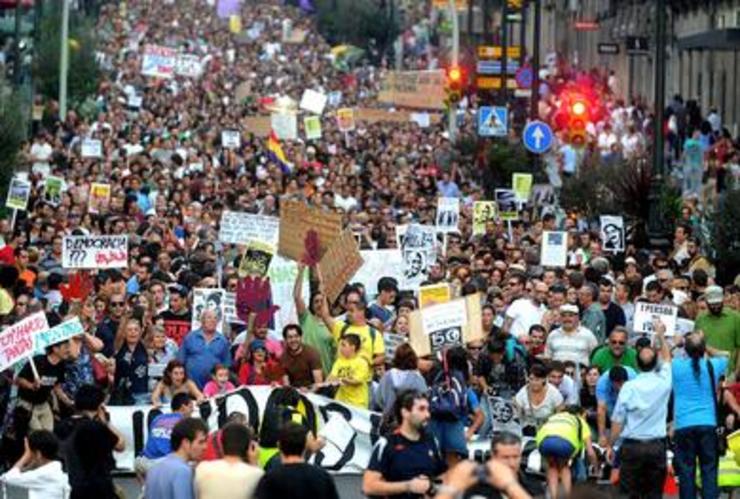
[454, 85]
[578, 118]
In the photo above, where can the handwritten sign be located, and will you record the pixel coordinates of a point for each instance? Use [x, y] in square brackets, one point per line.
[95, 252]
[436, 327]
[58, 334]
[17, 341]
[244, 228]
[340, 262]
[158, 61]
[646, 313]
[91, 148]
[296, 219]
[414, 89]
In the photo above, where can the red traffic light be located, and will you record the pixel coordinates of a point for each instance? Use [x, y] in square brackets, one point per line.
[578, 108]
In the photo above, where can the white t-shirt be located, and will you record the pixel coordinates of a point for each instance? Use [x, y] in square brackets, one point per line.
[524, 315]
[536, 415]
[41, 154]
[576, 346]
[221, 479]
[44, 482]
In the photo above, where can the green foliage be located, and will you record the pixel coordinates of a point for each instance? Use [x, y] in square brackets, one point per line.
[83, 72]
[502, 160]
[13, 124]
[357, 22]
[724, 224]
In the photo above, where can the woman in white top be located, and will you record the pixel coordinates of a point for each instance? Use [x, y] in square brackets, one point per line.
[39, 471]
[537, 400]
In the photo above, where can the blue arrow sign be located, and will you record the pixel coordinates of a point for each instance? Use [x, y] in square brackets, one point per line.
[493, 121]
[537, 137]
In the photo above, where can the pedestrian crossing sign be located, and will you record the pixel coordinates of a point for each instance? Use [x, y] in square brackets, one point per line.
[493, 121]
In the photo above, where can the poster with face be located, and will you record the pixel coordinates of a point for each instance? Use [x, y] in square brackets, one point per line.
[483, 213]
[256, 260]
[612, 233]
[448, 214]
[507, 204]
[208, 299]
[418, 252]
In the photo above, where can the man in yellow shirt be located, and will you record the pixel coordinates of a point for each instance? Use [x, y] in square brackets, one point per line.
[352, 371]
[372, 347]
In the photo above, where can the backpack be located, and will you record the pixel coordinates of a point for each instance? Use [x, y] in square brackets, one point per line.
[373, 333]
[448, 395]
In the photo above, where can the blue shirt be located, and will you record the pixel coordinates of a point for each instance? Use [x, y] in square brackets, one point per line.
[605, 391]
[642, 405]
[172, 478]
[199, 356]
[158, 443]
[132, 285]
[693, 404]
[448, 189]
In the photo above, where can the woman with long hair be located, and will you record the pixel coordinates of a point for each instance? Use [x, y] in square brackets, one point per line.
[174, 380]
[403, 375]
[537, 400]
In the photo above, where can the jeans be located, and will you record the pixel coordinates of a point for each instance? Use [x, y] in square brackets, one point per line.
[643, 470]
[691, 443]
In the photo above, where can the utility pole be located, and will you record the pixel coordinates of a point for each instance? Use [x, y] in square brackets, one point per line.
[455, 59]
[537, 6]
[504, 52]
[64, 61]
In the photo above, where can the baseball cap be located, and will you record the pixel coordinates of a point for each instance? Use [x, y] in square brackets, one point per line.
[630, 261]
[568, 309]
[714, 295]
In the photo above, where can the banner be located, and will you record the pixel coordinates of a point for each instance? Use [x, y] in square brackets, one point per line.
[158, 62]
[612, 233]
[483, 212]
[340, 262]
[91, 148]
[521, 184]
[313, 101]
[230, 139]
[312, 127]
[18, 194]
[285, 125]
[208, 299]
[506, 204]
[646, 313]
[57, 334]
[554, 249]
[256, 259]
[244, 228]
[377, 264]
[454, 323]
[448, 214]
[188, 65]
[346, 119]
[53, 187]
[95, 252]
[414, 89]
[17, 341]
[99, 198]
[434, 294]
[372, 115]
[296, 219]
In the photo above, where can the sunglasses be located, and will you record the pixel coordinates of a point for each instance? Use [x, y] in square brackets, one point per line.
[116, 304]
[618, 342]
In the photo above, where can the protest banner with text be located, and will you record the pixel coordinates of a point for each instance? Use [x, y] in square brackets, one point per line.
[95, 252]
[414, 89]
[244, 228]
[17, 341]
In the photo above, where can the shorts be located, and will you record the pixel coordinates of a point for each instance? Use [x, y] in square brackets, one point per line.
[556, 447]
[450, 436]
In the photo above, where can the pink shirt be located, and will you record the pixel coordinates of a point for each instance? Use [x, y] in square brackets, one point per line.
[212, 388]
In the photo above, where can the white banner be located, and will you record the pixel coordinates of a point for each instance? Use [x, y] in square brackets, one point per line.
[646, 313]
[188, 65]
[158, 62]
[313, 101]
[95, 252]
[554, 249]
[91, 148]
[448, 214]
[244, 228]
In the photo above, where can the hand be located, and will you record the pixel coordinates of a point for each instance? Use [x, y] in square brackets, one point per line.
[419, 485]
[462, 476]
[603, 441]
[27, 454]
[610, 454]
[35, 385]
[660, 328]
[500, 475]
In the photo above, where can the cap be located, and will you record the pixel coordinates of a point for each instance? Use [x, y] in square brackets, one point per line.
[568, 309]
[714, 295]
[257, 345]
[630, 261]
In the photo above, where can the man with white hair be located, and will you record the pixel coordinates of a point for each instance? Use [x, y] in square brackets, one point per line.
[203, 348]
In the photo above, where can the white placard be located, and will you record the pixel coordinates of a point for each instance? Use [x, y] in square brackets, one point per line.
[91, 148]
[612, 233]
[554, 249]
[393, 341]
[377, 264]
[684, 326]
[188, 65]
[646, 313]
[421, 119]
[244, 228]
[313, 101]
[285, 125]
[419, 253]
[448, 214]
[231, 139]
[158, 62]
[95, 252]
[208, 299]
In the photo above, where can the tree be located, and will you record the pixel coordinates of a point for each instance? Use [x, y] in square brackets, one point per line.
[13, 124]
[500, 161]
[724, 225]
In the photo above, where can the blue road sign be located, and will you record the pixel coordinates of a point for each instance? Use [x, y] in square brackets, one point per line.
[537, 137]
[493, 121]
[495, 67]
[524, 77]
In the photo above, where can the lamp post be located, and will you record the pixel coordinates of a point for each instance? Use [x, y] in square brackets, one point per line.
[64, 61]
[455, 60]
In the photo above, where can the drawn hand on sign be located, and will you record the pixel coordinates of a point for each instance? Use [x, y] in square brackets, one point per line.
[254, 301]
[311, 244]
[80, 285]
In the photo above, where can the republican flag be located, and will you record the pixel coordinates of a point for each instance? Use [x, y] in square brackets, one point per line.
[276, 153]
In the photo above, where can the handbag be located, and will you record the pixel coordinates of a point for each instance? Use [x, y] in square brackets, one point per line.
[721, 430]
[100, 373]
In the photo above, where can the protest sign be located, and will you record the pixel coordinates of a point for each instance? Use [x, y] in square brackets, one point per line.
[506, 204]
[235, 24]
[419, 253]
[135, 101]
[282, 274]
[684, 326]
[421, 119]
[285, 125]
[230, 314]
[231, 139]
[521, 184]
[483, 212]
[95, 252]
[335, 99]
[296, 36]
[377, 264]
[18, 194]
[99, 198]
[158, 62]
[554, 249]
[448, 214]
[17, 341]
[91, 148]
[256, 259]
[340, 262]
[346, 119]
[208, 299]
[244, 228]
[454, 323]
[260, 126]
[414, 89]
[372, 115]
[312, 126]
[188, 65]
[646, 313]
[53, 187]
[434, 294]
[296, 219]
[57, 334]
[227, 8]
[612, 233]
[313, 101]
[393, 341]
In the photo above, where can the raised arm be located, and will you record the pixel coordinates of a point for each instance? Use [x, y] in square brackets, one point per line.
[300, 305]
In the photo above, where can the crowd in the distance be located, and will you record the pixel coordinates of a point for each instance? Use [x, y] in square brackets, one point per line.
[561, 350]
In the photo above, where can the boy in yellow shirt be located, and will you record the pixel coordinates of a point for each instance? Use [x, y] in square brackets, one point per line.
[352, 371]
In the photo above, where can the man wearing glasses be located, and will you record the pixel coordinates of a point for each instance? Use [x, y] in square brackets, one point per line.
[108, 327]
[616, 352]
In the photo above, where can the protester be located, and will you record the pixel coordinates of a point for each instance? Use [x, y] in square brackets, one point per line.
[204, 348]
[39, 470]
[300, 362]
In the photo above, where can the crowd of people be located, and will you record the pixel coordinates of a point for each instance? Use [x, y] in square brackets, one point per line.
[560, 347]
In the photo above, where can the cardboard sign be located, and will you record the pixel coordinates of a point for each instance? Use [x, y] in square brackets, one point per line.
[554, 249]
[346, 119]
[483, 212]
[312, 126]
[58, 334]
[91, 148]
[208, 299]
[296, 219]
[646, 313]
[188, 65]
[99, 198]
[339, 264]
[507, 204]
[612, 233]
[256, 260]
[231, 139]
[454, 323]
[285, 125]
[392, 341]
[95, 252]
[521, 184]
[313, 101]
[434, 294]
[53, 187]
[260, 126]
[158, 62]
[17, 341]
[448, 214]
[296, 36]
[245, 228]
[18, 194]
[414, 89]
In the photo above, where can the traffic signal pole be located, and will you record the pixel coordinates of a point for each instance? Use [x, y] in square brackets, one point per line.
[454, 60]
[504, 52]
[536, 58]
